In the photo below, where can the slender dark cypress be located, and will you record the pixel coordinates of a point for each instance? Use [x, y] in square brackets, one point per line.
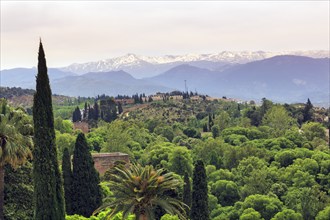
[187, 193]
[86, 196]
[308, 111]
[48, 187]
[67, 180]
[199, 207]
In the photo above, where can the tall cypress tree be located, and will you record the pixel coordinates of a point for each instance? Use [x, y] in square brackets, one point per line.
[96, 111]
[86, 196]
[85, 111]
[67, 180]
[199, 207]
[120, 108]
[308, 111]
[187, 193]
[48, 188]
[76, 116]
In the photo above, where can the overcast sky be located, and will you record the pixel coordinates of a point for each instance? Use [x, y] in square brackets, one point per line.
[82, 31]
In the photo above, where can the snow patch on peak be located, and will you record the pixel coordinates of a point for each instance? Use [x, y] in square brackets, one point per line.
[131, 61]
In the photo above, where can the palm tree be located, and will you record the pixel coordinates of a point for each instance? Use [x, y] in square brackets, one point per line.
[15, 142]
[139, 190]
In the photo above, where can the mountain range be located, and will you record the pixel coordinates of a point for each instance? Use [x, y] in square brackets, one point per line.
[283, 78]
[148, 66]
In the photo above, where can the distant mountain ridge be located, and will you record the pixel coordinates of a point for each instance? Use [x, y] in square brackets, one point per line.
[281, 78]
[147, 66]
[285, 78]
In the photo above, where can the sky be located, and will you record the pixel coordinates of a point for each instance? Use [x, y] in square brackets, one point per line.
[83, 31]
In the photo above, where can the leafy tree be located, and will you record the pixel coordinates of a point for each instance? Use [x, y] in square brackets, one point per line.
[199, 206]
[287, 214]
[180, 161]
[165, 131]
[250, 214]
[222, 120]
[209, 151]
[254, 115]
[265, 106]
[117, 140]
[186, 199]
[67, 180]
[192, 132]
[64, 126]
[324, 214]
[140, 189]
[267, 206]
[15, 142]
[157, 154]
[278, 119]
[313, 130]
[86, 196]
[63, 141]
[306, 200]
[215, 131]
[48, 186]
[308, 111]
[108, 109]
[19, 192]
[226, 192]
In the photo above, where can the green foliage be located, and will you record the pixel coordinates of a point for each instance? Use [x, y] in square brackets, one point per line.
[324, 214]
[76, 115]
[157, 154]
[101, 216]
[65, 140]
[180, 161]
[48, 186]
[199, 207]
[86, 193]
[267, 206]
[246, 157]
[215, 131]
[192, 132]
[140, 190]
[313, 130]
[308, 111]
[278, 118]
[165, 131]
[67, 180]
[117, 140]
[226, 192]
[186, 197]
[108, 110]
[169, 217]
[15, 142]
[209, 151]
[18, 192]
[308, 201]
[250, 214]
[287, 214]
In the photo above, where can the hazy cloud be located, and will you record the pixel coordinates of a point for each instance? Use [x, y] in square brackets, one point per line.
[79, 31]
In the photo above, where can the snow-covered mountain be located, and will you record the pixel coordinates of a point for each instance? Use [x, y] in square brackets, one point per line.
[146, 66]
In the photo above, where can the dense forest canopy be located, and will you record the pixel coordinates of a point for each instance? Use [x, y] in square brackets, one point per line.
[266, 161]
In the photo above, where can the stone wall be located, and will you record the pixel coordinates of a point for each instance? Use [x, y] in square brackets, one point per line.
[104, 161]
